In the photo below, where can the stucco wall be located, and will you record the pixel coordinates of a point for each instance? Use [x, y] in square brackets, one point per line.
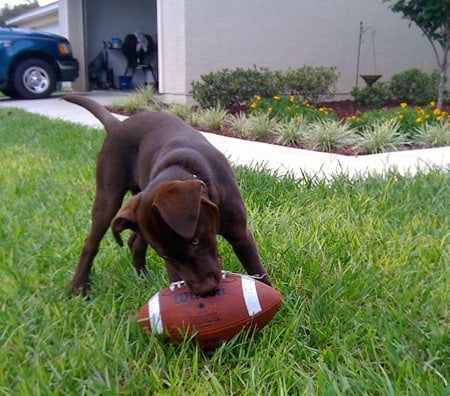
[48, 23]
[172, 49]
[279, 34]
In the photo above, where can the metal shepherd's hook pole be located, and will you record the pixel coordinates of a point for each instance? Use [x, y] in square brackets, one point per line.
[361, 32]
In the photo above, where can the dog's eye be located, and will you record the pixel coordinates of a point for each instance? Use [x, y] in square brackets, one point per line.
[194, 242]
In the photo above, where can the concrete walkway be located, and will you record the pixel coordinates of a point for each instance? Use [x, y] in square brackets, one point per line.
[281, 160]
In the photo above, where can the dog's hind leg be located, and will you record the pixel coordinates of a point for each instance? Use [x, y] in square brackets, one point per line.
[103, 211]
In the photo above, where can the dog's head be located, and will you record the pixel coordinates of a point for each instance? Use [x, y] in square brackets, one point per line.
[181, 224]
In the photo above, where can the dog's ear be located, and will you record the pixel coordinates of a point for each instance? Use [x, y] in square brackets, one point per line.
[178, 203]
[125, 218]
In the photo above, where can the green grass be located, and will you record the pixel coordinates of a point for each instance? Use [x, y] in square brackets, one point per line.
[363, 267]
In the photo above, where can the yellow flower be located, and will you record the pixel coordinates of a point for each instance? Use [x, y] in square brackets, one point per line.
[432, 103]
[291, 98]
[403, 105]
[253, 105]
[277, 97]
[256, 97]
[418, 120]
[269, 109]
[400, 116]
[436, 112]
[298, 118]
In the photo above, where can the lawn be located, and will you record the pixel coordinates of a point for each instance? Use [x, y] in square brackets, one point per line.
[363, 267]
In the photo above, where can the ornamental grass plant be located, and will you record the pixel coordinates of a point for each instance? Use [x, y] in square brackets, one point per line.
[259, 126]
[362, 266]
[238, 124]
[328, 135]
[181, 110]
[213, 118]
[143, 98]
[381, 136]
[290, 132]
[409, 118]
[433, 134]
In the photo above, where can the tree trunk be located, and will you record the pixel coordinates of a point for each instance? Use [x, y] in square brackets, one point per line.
[442, 76]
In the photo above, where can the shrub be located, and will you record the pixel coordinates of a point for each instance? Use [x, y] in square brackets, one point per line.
[413, 86]
[287, 108]
[371, 96]
[237, 87]
[328, 135]
[233, 87]
[313, 84]
[381, 136]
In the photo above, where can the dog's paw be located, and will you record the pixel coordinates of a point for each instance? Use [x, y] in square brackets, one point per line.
[79, 289]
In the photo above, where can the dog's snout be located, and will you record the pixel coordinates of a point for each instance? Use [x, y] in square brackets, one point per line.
[204, 286]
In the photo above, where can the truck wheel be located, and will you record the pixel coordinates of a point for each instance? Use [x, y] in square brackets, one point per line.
[34, 79]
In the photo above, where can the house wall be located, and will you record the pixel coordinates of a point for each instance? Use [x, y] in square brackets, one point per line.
[71, 25]
[48, 23]
[287, 33]
[43, 18]
[172, 49]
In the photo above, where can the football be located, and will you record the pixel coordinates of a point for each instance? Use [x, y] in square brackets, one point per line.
[239, 302]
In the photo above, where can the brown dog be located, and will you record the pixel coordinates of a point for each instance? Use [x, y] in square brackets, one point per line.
[185, 194]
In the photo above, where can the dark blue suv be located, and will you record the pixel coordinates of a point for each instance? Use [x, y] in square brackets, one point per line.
[32, 63]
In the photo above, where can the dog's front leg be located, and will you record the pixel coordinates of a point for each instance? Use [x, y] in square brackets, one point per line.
[246, 251]
[171, 272]
[138, 247]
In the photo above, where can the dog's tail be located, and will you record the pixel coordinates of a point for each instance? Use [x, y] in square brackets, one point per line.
[99, 111]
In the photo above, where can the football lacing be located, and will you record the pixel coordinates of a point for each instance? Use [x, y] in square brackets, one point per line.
[179, 284]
